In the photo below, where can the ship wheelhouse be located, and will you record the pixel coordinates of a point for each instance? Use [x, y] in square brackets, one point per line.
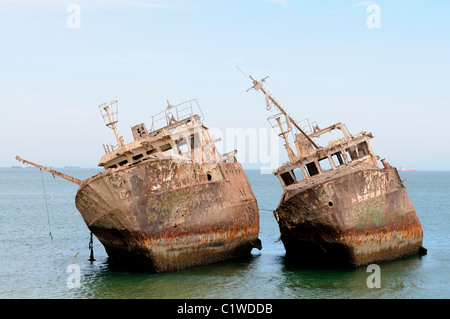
[176, 133]
[326, 160]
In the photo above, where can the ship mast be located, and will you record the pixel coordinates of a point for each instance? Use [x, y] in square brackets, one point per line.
[270, 100]
[109, 111]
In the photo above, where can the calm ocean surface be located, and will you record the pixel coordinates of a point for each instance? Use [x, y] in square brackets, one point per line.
[33, 265]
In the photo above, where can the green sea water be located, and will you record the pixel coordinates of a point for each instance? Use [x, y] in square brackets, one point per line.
[41, 236]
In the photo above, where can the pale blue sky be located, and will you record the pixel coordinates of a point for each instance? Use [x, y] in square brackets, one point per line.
[323, 60]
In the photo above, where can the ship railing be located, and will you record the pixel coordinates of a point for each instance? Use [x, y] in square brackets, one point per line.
[279, 124]
[306, 126]
[176, 113]
[109, 148]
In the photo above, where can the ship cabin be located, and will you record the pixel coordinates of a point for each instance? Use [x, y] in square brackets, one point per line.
[176, 133]
[313, 163]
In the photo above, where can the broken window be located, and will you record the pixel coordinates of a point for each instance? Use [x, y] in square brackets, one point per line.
[352, 152]
[123, 163]
[298, 174]
[287, 178]
[183, 147]
[312, 169]
[337, 159]
[325, 164]
[166, 148]
[363, 149]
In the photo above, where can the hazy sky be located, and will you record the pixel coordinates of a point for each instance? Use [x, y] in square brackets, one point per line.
[378, 66]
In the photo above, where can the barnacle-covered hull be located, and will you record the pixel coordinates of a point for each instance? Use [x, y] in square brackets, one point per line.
[165, 215]
[355, 217]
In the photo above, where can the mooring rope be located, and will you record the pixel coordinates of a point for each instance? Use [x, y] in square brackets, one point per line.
[46, 205]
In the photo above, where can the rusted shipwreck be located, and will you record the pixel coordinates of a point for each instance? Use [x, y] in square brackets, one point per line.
[168, 200]
[338, 206]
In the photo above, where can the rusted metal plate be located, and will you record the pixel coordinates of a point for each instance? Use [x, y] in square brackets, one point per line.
[338, 206]
[167, 216]
[168, 200]
[356, 219]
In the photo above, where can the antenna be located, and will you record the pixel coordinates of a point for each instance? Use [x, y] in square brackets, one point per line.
[110, 113]
[257, 85]
[242, 71]
[269, 99]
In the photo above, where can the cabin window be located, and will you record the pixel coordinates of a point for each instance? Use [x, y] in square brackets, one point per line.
[137, 157]
[182, 147]
[363, 149]
[312, 169]
[151, 151]
[166, 148]
[287, 178]
[123, 163]
[351, 151]
[298, 174]
[337, 159]
[325, 164]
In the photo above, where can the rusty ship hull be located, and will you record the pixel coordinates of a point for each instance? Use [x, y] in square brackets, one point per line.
[339, 207]
[351, 218]
[161, 215]
[168, 200]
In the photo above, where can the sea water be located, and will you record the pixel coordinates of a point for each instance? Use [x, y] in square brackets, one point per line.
[44, 249]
